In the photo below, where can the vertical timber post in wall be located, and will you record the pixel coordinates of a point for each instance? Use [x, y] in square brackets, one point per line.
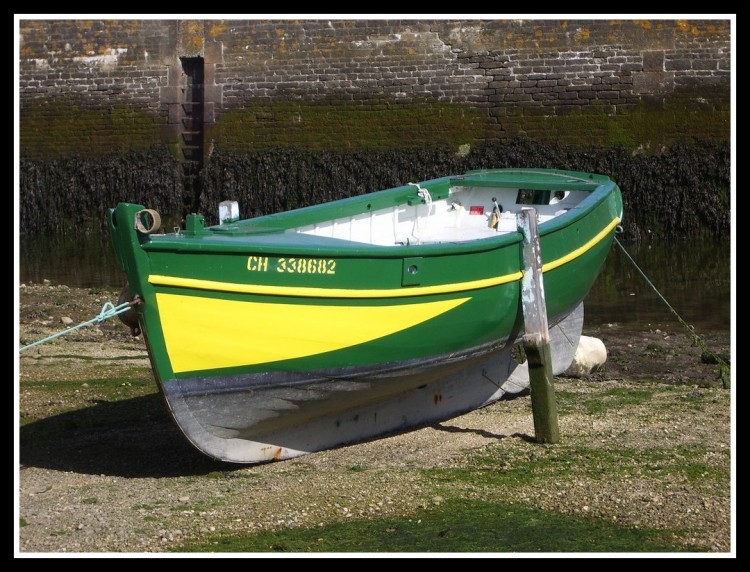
[536, 340]
[191, 98]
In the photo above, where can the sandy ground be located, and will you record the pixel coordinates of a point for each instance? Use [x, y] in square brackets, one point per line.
[140, 488]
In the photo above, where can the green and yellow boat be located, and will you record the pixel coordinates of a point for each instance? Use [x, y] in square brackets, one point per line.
[323, 326]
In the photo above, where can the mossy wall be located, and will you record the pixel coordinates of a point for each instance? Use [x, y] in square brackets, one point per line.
[333, 126]
[72, 196]
[88, 87]
[66, 126]
[681, 191]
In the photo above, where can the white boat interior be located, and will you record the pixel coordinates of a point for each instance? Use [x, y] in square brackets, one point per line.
[468, 213]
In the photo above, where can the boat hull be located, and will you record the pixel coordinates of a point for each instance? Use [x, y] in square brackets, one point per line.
[276, 416]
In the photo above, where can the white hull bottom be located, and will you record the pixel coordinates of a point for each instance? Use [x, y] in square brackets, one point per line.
[253, 425]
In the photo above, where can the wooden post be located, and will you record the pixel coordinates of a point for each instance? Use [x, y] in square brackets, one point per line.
[536, 339]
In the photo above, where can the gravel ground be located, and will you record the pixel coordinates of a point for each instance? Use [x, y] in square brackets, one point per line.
[139, 488]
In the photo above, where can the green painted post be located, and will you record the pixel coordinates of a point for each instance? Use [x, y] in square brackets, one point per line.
[536, 339]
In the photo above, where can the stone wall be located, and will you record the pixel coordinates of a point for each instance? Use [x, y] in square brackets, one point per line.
[113, 86]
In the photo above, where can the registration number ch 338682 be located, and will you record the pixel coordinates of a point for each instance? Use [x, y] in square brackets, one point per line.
[292, 265]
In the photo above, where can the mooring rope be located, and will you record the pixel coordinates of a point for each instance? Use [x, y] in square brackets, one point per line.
[425, 195]
[723, 366]
[109, 310]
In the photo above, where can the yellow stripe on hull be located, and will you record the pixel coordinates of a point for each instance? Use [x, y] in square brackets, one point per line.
[209, 333]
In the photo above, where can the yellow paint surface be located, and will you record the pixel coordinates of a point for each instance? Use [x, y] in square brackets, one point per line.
[216, 333]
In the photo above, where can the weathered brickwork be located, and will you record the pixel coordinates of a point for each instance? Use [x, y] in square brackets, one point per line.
[91, 87]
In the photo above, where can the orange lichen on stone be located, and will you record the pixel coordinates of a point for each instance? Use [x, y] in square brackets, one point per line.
[194, 28]
[582, 33]
[215, 30]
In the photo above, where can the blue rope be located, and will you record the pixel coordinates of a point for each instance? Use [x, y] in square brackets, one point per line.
[109, 310]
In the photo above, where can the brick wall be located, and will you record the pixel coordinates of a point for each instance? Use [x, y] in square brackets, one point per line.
[104, 86]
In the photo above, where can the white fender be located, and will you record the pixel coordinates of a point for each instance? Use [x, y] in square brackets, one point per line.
[590, 356]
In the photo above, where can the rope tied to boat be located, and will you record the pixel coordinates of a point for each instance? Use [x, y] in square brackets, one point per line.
[425, 195]
[723, 365]
[108, 311]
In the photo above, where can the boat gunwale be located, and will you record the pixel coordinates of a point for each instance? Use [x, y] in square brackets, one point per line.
[268, 242]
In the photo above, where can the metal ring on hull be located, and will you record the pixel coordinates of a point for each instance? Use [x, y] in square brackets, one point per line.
[147, 221]
[129, 318]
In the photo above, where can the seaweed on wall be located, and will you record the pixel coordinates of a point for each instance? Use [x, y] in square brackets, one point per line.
[680, 192]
